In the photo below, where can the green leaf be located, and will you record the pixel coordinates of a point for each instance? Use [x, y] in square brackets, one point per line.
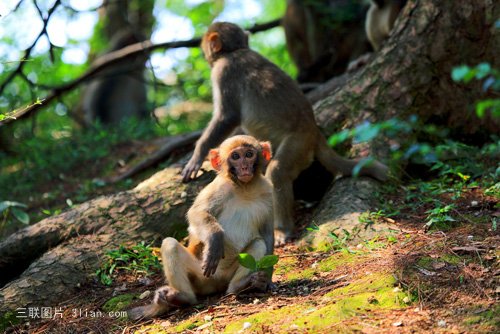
[267, 261]
[482, 106]
[366, 132]
[483, 70]
[339, 138]
[247, 261]
[459, 73]
[4, 205]
[21, 216]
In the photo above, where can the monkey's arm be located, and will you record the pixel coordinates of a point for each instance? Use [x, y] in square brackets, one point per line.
[225, 119]
[205, 227]
[267, 233]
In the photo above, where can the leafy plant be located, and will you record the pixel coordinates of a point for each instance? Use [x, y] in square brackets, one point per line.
[393, 128]
[340, 242]
[337, 242]
[374, 217]
[491, 80]
[440, 217]
[265, 264]
[12, 212]
[138, 259]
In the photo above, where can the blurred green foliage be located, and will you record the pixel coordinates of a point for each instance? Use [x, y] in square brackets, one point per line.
[490, 78]
[139, 260]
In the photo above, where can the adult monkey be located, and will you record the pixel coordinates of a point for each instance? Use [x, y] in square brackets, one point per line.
[232, 215]
[324, 36]
[251, 92]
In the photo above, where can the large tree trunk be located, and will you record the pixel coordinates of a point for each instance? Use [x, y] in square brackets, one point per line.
[409, 75]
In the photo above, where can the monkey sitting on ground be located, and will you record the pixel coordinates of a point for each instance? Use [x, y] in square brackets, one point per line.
[232, 215]
[251, 92]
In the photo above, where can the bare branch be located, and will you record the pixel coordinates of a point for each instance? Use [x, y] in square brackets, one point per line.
[106, 61]
[27, 52]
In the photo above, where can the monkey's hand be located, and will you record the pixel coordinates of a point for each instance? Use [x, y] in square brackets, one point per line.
[213, 253]
[259, 280]
[281, 238]
[191, 169]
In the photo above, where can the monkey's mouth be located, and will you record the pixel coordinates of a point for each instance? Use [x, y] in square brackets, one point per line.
[245, 177]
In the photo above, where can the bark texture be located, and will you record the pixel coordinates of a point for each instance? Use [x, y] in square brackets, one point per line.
[412, 72]
[63, 251]
[339, 212]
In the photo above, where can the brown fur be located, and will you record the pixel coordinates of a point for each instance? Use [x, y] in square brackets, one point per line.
[227, 218]
[251, 92]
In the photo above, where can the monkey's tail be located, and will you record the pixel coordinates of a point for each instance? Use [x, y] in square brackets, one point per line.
[337, 164]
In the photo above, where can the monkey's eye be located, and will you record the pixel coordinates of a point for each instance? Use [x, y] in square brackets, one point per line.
[235, 156]
[249, 154]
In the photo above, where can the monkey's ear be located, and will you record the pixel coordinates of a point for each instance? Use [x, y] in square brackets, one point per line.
[215, 159]
[214, 42]
[266, 150]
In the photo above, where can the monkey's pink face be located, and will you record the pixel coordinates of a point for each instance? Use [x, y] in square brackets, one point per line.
[242, 163]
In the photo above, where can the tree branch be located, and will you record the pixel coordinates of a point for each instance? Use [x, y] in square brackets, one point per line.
[106, 61]
[27, 52]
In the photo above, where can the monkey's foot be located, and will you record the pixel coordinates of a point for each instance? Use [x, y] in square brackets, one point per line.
[166, 295]
[259, 281]
[281, 238]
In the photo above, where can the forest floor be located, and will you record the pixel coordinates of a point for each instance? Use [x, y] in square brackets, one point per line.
[416, 280]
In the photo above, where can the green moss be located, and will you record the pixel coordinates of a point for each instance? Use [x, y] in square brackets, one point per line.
[8, 319]
[336, 260]
[285, 265]
[477, 219]
[489, 319]
[371, 292]
[300, 274]
[288, 266]
[189, 324]
[259, 320]
[118, 303]
[451, 259]
[425, 262]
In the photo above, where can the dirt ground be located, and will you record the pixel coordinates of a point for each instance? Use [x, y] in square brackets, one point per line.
[413, 281]
[416, 281]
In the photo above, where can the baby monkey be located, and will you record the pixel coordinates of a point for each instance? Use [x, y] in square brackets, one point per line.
[232, 215]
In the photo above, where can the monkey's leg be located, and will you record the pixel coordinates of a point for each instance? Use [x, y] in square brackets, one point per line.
[294, 154]
[243, 279]
[178, 264]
